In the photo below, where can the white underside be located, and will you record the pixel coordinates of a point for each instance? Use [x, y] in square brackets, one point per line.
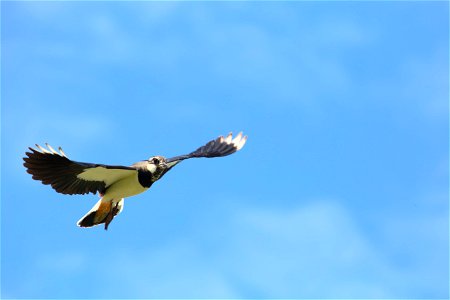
[120, 183]
[123, 188]
[120, 203]
[109, 176]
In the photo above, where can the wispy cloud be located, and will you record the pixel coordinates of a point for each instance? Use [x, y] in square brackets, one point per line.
[307, 65]
[136, 76]
[256, 252]
[25, 126]
[273, 254]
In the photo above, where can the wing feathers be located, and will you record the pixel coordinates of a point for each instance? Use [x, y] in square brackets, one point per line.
[228, 139]
[71, 177]
[62, 152]
[51, 149]
[216, 148]
[53, 167]
[221, 146]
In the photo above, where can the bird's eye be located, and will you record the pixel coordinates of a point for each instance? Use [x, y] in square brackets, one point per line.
[155, 161]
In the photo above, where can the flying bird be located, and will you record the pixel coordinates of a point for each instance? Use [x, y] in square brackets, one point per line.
[113, 183]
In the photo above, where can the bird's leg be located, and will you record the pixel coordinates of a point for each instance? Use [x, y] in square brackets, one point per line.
[112, 213]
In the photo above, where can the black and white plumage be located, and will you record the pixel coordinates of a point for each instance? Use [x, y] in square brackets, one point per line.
[113, 183]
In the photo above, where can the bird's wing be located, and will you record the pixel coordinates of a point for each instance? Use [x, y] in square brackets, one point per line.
[215, 148]
[70, 177]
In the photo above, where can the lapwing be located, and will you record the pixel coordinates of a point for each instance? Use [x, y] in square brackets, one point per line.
[112, 183]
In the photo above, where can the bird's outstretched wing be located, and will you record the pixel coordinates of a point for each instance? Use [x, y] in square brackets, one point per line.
[215, 148]
[71, 177]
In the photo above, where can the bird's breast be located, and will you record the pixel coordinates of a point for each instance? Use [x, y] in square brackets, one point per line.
[126, 187]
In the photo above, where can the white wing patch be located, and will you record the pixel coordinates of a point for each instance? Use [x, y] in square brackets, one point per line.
[109, 176]
[238, 141]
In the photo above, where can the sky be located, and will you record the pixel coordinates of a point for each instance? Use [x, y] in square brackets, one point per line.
[340, 192]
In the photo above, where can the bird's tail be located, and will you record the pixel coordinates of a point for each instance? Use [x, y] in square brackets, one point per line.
[102, 212]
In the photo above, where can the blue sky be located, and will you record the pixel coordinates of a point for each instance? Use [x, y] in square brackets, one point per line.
[340, 192]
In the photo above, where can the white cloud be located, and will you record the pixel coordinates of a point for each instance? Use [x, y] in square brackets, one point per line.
[312, 251]
[288, 66]
[303, 251]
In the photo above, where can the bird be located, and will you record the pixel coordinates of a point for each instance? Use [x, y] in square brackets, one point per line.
[113, 183]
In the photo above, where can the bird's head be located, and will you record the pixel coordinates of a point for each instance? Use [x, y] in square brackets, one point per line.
[155, 163]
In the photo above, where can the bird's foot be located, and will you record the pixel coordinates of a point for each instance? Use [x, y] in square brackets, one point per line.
[112, 213]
